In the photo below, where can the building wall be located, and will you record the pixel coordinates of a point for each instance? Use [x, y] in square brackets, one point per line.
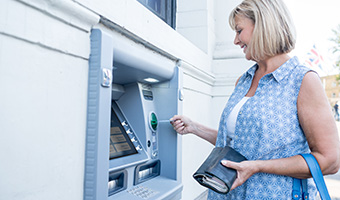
[332, 88]
[228, 59]
[43, 76]
[44, 52]
[205, 24]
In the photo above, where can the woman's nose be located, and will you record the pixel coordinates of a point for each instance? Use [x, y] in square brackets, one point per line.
[236, 40]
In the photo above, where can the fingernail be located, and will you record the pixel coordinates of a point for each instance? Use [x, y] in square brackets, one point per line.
[224, 162]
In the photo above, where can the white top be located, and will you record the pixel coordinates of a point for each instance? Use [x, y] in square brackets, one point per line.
[231, 121]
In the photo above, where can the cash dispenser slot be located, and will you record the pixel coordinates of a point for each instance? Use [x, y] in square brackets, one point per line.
[147, 171]
[117, 181]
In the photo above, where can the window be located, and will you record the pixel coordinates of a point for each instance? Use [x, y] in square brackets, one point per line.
[164, 9]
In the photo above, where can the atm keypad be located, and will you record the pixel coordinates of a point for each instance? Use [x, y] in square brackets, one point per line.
[142, 192]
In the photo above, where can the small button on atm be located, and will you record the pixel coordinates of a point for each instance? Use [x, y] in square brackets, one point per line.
[132, 151]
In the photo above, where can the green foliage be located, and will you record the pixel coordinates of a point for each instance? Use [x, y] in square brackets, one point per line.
[336, 40]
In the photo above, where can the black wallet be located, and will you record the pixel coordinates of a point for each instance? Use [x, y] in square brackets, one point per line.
[212, 174]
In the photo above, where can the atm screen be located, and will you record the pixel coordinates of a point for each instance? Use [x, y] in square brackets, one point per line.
[120, 143]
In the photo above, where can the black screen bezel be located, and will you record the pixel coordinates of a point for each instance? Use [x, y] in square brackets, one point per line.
[115, 122]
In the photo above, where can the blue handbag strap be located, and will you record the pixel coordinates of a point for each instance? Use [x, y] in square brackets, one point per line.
[296, 189]
[317, 175]
[297, 194]
[305, 194]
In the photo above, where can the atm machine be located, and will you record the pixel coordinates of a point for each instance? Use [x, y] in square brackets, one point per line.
[132, 151]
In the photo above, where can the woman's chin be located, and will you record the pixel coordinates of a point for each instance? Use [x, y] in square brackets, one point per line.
[247, 57]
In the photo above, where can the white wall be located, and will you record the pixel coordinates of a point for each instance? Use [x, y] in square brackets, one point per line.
[44, 50]
[205, 23]
[43, 86]
[195, 21]
[228, 59]
[137, 19]
[197, 105]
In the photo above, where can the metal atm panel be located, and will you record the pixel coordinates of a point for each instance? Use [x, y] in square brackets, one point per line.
[129, 155]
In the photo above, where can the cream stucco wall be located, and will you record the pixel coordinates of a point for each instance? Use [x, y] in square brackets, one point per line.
[44, 51]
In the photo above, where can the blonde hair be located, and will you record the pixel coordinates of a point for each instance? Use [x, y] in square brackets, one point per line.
[274, 31]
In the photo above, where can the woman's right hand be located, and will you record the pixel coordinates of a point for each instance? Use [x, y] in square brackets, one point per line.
[183, 125]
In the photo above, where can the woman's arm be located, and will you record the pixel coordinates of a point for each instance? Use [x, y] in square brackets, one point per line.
[183, 125]
[318, 124]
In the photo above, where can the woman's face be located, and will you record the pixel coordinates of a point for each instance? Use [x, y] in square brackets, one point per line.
[244, 32]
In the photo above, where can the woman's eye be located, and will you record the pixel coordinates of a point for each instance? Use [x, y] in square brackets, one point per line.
[239, 31]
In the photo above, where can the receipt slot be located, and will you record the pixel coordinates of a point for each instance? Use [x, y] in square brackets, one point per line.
[129, 154]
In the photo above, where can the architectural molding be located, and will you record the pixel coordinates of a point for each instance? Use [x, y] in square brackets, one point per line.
[225, 80]
[197, 73]
[219, 83]
[65, 11]
[80, 17]
[37, 43]
[224, 50]
[128, 34]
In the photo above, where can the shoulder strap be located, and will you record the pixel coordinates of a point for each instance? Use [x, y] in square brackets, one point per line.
[297, 184]
[317, 175]
[296, 189]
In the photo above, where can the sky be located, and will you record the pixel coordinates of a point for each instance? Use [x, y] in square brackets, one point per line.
[314, 21]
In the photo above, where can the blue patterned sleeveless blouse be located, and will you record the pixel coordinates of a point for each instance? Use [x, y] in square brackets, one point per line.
[267, 127]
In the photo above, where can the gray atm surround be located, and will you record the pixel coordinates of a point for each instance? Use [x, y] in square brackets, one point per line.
[115, 60]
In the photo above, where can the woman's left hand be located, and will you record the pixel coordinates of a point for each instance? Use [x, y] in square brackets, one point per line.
[244, 170]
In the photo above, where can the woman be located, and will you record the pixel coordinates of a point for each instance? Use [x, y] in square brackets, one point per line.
[277, 111]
